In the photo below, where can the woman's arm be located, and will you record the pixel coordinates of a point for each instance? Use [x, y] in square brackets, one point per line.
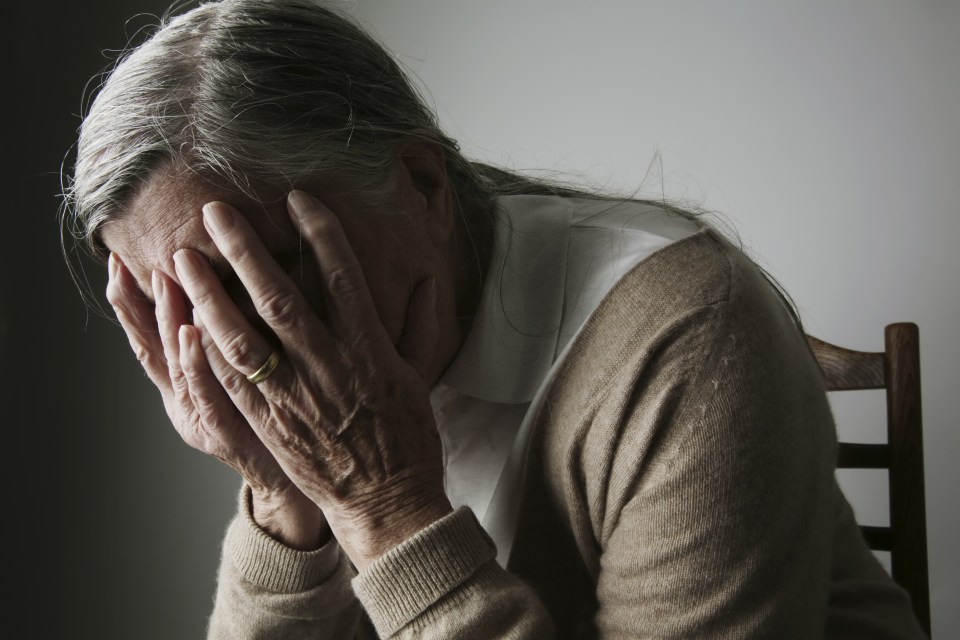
[709, 458]
[274, 571]
[190, 373]
[343, 424]
[266, 589]
[692, 450]
[346, 413]
[347, 417]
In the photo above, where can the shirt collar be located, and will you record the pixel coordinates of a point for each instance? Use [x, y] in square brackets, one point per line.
[512, 342]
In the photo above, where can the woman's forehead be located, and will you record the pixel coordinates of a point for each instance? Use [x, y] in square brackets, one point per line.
[165, 215]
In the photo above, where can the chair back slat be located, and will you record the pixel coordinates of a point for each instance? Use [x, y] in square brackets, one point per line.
[845, 369]
[878, 538]
[905, 436]
[852, 455]
[896, 369]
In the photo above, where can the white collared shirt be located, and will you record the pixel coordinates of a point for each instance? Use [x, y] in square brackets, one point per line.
[553, 261]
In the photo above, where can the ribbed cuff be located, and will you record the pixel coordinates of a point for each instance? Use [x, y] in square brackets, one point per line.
[272, 565]
[405, 581]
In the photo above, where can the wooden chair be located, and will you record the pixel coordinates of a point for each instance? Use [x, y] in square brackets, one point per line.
[896, 369]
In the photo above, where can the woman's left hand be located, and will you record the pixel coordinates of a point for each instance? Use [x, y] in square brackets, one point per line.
[345, 413]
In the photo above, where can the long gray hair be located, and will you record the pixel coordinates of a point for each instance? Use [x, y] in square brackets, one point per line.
[276, 93]
[253, 92]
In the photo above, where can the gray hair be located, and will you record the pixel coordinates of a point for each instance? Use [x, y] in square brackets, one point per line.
[256, 93]
[266, 93]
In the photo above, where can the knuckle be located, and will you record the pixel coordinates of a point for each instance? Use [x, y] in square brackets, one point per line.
[238, 350]
[114, 296]
[187, 376]
[180, 380]
[342, 282]
[144, 355]
[233, 383]
[280, 308]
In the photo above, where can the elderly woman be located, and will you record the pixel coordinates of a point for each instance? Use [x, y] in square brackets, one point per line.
[464, 404]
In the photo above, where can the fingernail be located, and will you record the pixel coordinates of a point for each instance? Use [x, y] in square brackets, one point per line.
[112, 265]
[183, 337]
[217, 217]
[301, 201]
[183, 263]
[157, 283]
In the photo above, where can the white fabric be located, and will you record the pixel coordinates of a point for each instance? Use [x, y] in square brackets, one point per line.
[553, 261]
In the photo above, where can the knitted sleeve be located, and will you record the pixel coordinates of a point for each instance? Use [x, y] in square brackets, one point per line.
[441, 583]
[706, 473]
[679, 484]
[444, 583]
[266, 590]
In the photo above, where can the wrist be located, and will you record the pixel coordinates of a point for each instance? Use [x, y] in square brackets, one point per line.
[290, 518]
[367, 534]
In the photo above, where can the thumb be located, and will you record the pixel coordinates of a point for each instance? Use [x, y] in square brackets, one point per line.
[419, 338]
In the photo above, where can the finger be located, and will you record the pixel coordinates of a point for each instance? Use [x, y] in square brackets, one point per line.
[244, 395]
[253, 459]
[419, 338]
[211, 403]
[242, 346]
[123, 292]
[137, 319]
[276, 298]
[224, 432]
[171, 312]
[350, 306]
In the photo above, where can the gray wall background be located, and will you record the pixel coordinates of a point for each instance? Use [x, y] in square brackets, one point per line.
[825, 133]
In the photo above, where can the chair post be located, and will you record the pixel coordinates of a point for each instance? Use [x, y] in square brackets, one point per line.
[907, 505]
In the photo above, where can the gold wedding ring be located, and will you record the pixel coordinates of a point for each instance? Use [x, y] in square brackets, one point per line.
[266, 370]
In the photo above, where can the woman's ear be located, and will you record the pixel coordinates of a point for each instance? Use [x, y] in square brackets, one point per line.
[424, 177]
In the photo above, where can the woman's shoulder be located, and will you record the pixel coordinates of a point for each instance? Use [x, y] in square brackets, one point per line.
[686, 276]
[700, 274]
[694, 312]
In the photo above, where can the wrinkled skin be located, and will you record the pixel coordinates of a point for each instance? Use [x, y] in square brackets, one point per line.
[362, 309]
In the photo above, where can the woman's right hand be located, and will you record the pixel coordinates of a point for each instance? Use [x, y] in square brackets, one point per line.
[186, 366]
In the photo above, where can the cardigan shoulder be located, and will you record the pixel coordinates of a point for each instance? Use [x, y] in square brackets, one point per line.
[691, 315]
[688, 389]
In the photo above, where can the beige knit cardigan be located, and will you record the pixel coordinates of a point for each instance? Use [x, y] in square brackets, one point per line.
[679, 483]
